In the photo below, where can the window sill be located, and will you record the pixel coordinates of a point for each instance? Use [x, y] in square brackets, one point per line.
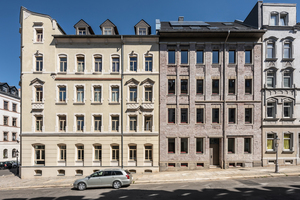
[60, 175]
[38, 42]
[171, 65]
[200, 65]
[248, 65]
[271, 59]
[97, 73]
[199, 153]
[171, 94]
[231, 94]
[270, 152]
[184, 124]
[232, 65]
[78, 103]
[184, 65]
[215, 94]
[271, 119]
[38, 175]
[184, 94]
[215, 65]
[249, 124]
[114, 103]
[62, 73]
[200, 94]
[247, 153]
[115, 73]
[288, 59]
[62, 103]
[94, 103]
[199, 123]
[287, 151]
[287, 119]
[171, 123]
[37, 72]
[248, 94]
[79, 73]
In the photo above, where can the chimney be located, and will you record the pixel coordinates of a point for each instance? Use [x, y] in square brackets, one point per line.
[181, 18]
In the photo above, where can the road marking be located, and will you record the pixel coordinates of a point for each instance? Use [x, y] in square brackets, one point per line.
[152, 195]
[185, 194]
[184, 186]
[123, 197]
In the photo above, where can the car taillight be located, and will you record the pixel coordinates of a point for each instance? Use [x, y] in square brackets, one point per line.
[127, 176]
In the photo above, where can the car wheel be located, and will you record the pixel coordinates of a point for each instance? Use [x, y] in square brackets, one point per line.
[81, 186]
[116, 184]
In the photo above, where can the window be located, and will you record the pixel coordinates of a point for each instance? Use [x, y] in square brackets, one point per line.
[248, 56]
[231, 145]
[171, 145]
[231, 115]
[287, 141]
[283, 19]
[62, 123]
[13, 153]
[132, 153]
[215, 57]
[5, 120]
[142, 31]
[231, 56]
[132, 123]
[148, 123]
[271, 50]
[5, 103]
[287, 50]
[107, 31]
[287, 79]
[171, 115]
[14, 107]
[200, 116]
[248, 115]
[271, 110]
[80, 123]
[247, 145]
[148, 94]
[98, 152]
[287, 109]
[199, 145]
[97, 123]
[81, 31]
[148, 63]
[215, 115]
[5, 153]
[115, 153]
[274, 19]
[231, 86]
[184, 145]
[248, 86]
[98, 64]
[39, 63]
[14, 136]
[115, 123]
[80, 94]
[63, 64]
[270, 142]
[148, 153]
[215, 86]
[115, 94]
[39, 123]
[184, 115]
[133, 94]
[39, 94]
[184, 57]
[200, 86]
[62, 94]
[184, 86]
[62, 152]
[199, 57]
[14, 121]
[270, 79]
[133, 63]
[80, 153]
[171, 86]
[39, 158]
[5, 136]
[80, 64]
[115, 64]
[97, 94]
[171, 55]
[39, 35]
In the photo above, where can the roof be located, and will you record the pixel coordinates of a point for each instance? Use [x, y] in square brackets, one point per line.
[113, 25]
[81, 22]
[140, 23]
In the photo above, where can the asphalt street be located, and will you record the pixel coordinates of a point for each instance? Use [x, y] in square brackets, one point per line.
[5, 172]
[283, 188]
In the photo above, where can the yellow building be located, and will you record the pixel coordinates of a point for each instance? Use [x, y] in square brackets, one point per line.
[80, 111]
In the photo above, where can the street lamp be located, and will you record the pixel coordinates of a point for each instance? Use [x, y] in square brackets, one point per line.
[17, 155]
[276, 140]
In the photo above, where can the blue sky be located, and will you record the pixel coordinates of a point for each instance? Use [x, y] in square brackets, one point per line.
[123, 13]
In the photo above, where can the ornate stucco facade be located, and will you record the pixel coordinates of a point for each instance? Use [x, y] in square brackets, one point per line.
[78, 108]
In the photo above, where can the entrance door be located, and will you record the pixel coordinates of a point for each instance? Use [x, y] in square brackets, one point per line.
[214, 151]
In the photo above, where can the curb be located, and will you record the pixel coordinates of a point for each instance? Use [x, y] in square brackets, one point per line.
[37, 186]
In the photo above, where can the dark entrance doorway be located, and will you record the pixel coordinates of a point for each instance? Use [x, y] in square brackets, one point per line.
[214, 151]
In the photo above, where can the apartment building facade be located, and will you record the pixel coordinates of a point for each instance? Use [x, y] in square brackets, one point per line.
[9, 122]
[280, 87]
[89, 101]
[210, 98]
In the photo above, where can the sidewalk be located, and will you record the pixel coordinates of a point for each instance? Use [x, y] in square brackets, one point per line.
[13, 182]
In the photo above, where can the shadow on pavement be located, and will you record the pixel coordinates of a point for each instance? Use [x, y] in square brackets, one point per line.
[236, 193]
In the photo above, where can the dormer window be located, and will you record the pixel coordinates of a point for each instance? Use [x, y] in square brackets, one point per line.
[107, 31]
[142, 31]
[81, 31]
[4, 89]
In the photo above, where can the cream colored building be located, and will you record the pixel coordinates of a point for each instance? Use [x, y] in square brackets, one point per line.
[80, 113]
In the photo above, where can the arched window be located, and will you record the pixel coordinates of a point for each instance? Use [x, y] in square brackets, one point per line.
[14, 153]
[5, 153]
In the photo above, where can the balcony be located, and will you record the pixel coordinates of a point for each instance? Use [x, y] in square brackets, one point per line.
[37, 106]
[147, 106]
[132, 106]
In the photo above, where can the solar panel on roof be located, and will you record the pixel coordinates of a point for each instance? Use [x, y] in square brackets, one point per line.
[228, 24]
[195, 27]
[188, 23]
[213, 28]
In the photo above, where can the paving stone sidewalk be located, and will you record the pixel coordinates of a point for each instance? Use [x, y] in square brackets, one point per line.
[11, 182]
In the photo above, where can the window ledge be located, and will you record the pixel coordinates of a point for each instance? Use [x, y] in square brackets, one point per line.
[271, 59]
[171, 65]
[114, 103]
[62, 73]
[184, 95]
[200, 65]
[248, 65]
[79, 73]
[287, 151]
[215, 94]
[184, 123]
[216, 65]
[287, 119]
[35, 72]
[97, 73]
[114, 72]
[184, 65]
[61, 103]
[200, 94]
[199, 123]
[60, 175]
[271, 119]
[270, 152]
[232, 65]
[171, 94]
[78, 103]
[38, 175]
[288, 59]
[171, 123]
[98, 103]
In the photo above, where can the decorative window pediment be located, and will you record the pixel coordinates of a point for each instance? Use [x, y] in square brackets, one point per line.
[132, 81]
[147, 81]
[37, 81]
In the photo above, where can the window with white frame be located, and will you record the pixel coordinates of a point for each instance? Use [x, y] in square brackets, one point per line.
[115, 64]
[80, 63]
[271, 78]
[133, 63]
[283, 21]
[14, 121]
[98, 63]
[148, 63]
[62, 63]
[107, 31]
[14, 136]
[132, 152]
[148, 123]
[39, 94]
[62, 119]
[148, 93]
[39, 63]
[274, 19]
[80, 152]
[80, 123]
[38, 35]
[142, 31]
[115, 94]
[5, 136]
[270, 141]
[5, 153]
[5, 105]
[287, 142]
[271, 109]
[287, 79]
[5, 120]
[39, 123]
[97, 94]
[133, 123]
[62, 152]
[148, 152]
[97, 123]
[62, 90]
[115, 123]
[39, 154]
[115, 152]
[133, 94]
[270, 49]
[98, 152]
[80, 94]
[13, 153]
[81, 31]
[287, 109]
[287, 49]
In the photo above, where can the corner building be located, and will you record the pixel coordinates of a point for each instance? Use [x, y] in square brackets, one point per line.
[210, 95]
[89, 101]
